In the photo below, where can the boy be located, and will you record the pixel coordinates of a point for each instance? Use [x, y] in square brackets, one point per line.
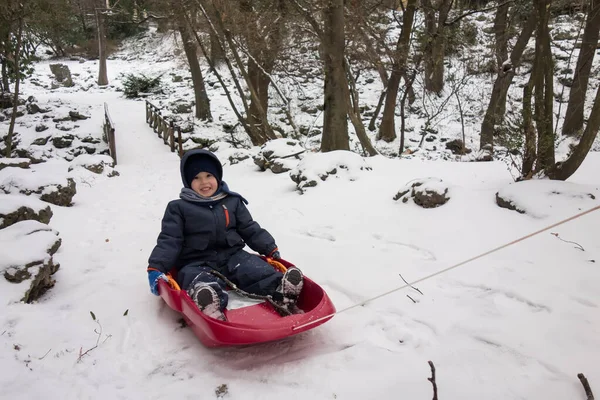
[206, 229]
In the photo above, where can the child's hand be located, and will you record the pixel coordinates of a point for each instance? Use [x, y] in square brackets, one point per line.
[153, 277]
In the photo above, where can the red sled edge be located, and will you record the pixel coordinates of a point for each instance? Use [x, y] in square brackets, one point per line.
[253, 324]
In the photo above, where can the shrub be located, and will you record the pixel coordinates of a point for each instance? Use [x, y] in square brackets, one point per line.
[136, 84]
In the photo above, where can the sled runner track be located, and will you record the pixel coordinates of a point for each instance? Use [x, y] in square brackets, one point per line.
[564, 221]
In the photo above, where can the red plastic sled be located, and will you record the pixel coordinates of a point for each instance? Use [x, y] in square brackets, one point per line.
[256, 323]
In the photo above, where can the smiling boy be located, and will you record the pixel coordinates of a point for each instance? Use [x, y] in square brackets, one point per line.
[207, 229]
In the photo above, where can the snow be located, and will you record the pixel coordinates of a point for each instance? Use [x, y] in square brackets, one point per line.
[519, 323]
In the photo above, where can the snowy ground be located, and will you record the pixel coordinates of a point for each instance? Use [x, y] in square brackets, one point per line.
[520, 323]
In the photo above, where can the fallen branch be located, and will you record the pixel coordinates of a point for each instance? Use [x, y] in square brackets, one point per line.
[586, 386]
[432, 380]
[413, 300]
[44, 356]
[410, 284]
[99, 333]
[577, 245]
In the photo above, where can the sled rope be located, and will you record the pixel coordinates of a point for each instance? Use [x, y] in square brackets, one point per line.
[449, 268]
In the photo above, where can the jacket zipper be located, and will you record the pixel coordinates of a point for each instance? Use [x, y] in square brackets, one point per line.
[226, 216]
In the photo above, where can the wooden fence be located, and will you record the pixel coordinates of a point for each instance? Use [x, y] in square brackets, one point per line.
[108, 128]
[165, 129]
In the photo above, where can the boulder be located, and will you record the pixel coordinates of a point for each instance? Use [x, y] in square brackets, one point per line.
[426, 193]
[26, 250]
[15, 208]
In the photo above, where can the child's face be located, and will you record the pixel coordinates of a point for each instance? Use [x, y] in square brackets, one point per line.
[205, 184]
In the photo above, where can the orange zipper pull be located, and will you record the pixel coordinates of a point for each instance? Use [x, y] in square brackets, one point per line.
[226, 216]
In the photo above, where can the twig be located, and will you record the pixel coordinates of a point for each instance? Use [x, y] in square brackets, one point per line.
[292, 155]
[410, 284]
[586, 386]
[455, 20]
[432, 380]
[413, 300]
[281, 309]
[99, 333]
[44, 356]
[577, 245]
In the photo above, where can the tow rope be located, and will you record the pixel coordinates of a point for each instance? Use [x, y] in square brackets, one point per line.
[449, 268]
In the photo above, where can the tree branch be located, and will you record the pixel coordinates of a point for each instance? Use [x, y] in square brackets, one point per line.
[455, 20]
[432, 380]
[586, 386]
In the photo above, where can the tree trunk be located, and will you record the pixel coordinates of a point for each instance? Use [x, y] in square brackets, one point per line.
[387, 130]
[574, 115]
[503, 82]
[335, 123]
[435, 46]
[101, 27]
[544, 89]
[501, 47]
[13, 117]
[3, 60]
[563, 170]
[529, 155]
[216, 52]
[201, 97]
[260, 83]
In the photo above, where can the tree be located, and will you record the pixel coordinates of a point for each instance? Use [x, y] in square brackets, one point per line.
[506, 72]
[387, 129]
[17, 54]
[574, 116]
[100, 12]
[436, 15]
[202, 103]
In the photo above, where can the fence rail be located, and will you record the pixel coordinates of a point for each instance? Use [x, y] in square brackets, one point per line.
[164, 128]
[109, 134]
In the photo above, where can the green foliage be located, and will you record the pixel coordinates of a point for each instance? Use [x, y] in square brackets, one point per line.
[136, 84]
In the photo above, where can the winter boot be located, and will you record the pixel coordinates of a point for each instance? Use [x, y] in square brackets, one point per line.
[290, 288]
[207, 300]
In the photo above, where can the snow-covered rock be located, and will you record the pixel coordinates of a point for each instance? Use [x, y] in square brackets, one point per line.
[318, 167]
[26, 250]
[540, 198]
[279, 155]
[16, 207]
[427, 193]
[48, 180]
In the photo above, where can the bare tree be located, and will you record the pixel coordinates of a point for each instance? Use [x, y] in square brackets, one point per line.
[574, 116]
[436, 16]
[387, 129]
[504, 78]
[189, 46]
[11, 128]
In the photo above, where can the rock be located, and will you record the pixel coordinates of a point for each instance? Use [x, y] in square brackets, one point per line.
[14, 162]
[60, 195]
[279, 155]
[76, 116]
[62, 142]
[29, 273]
[427, 193]
[16, 208]
[41, 128]
[32, 108]
[456, 147]
[96, 164]
[41, 141]
[505, 203]
[62, 74]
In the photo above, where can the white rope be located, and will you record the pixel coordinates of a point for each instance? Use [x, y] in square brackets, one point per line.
[448, 269]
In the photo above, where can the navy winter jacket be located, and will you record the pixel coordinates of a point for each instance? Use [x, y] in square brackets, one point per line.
[211, 233]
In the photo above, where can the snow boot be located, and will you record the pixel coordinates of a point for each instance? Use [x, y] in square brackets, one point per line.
[290, 288]
[207, 300]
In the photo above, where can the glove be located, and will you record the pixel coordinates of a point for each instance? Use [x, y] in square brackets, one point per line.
[153, 277]
[275, 254]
